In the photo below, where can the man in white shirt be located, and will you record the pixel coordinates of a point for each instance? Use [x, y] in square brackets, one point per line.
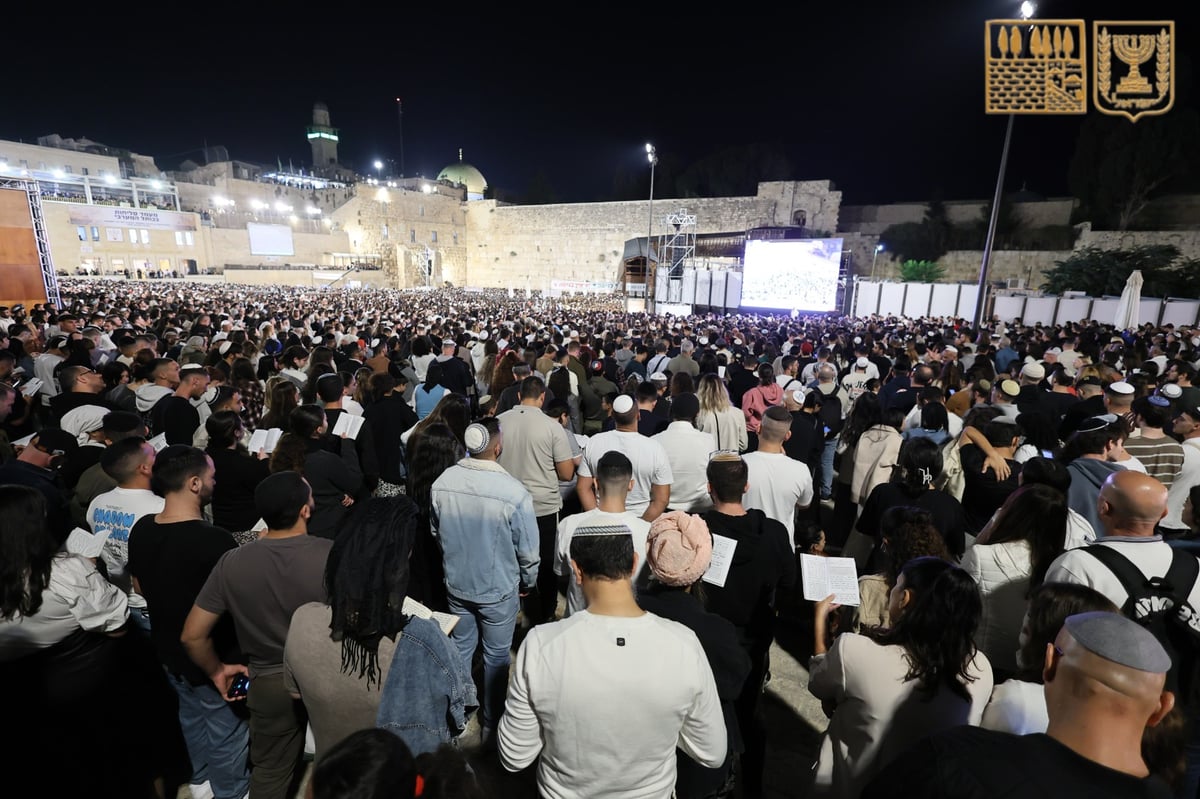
[613, 481]
[130, 462]
[779, 485]
[43, 368]
[652, 476]
[688, 450]
[1185, 425]
[601, 700]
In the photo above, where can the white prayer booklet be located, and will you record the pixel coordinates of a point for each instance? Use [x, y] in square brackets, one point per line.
[159, 442]
[24, 441]
[349, 424]
[722, 557]
[823, 576]
[81, 542]
[264, 440]
[444, 620]
[32, 386]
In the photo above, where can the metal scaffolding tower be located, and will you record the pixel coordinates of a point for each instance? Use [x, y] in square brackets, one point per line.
[34, 196]
[678, 249]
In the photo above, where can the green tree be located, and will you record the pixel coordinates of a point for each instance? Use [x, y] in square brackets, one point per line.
[1104, 272]
[1119, 167]
[734, 172]
[912, 271]
[911, 240]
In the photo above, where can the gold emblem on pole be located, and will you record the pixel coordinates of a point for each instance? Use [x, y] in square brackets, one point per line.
[1135, 68]
[1036, 67]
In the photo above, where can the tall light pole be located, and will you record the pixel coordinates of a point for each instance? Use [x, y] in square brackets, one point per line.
[378, 167]
[878, 249]
[1027, 11]
[652, 157]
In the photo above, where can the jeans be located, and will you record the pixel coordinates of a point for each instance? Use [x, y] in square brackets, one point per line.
[218, 739]
[494, 622]
[827, 468]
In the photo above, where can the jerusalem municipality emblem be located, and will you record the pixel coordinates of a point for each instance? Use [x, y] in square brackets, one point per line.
[1036, 67]
[1135, 68]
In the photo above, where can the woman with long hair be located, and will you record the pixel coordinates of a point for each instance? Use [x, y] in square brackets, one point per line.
[238, 473]
[914, 482]
[565, 386]
[502, 373]
[485, 366]
[336, 480]
[282, 398]
[1011, 558]
[429, 393]
[719, 416]
[755, 401]
[339, 652]
[865, 413]
[254, 399]
[886, 688]
[435, 450]
[908, 532]
[116, 386]
[454, 411]
[935, 424]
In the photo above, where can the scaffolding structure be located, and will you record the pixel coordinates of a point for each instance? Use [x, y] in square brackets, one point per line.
[677, 250]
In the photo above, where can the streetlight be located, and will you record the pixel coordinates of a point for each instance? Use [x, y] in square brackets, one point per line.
[652, 157]
[1027, 11]
[878, 249]
[378, 166]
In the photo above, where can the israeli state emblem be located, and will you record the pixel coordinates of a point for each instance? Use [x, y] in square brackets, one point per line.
[1035, 67]
[1135, 68]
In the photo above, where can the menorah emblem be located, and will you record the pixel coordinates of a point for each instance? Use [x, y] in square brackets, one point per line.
[1133, 44]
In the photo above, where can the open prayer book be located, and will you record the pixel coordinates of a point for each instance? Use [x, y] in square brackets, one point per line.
[823, 576]
[349, 424]
[33, 386]
[264, 440]
[444, 620]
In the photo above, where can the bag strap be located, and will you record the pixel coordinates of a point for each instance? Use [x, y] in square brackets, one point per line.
[1181, 576]
[1131, 577]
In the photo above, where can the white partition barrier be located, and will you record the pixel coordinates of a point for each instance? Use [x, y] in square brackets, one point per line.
[891, 299]
[944, 301]
[866, 298]
[1149, 311]
[733, 289]
[717, 291]
[1181, 313]
[1104, 310]
[1007, 307]
[1073, 309]
[916, 299]
[968, 294]
[703, 287]
[660, 283]
[1040, 309]
[689, 286]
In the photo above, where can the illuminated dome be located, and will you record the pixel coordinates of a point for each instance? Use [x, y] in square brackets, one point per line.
[467, 175]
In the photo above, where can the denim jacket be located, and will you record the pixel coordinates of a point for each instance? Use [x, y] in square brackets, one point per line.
[429, 692]
[483, 518]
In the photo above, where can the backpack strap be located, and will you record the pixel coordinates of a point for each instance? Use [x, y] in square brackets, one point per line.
[1130, 576]
[1181, 576]
[1179, 579]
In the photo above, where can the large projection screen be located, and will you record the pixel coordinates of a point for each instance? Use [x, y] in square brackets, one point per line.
[791, 275]
[270, 239]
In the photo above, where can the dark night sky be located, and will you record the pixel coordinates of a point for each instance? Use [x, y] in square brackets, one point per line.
[884, 98]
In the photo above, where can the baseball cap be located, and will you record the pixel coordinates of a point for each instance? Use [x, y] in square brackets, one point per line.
[55, 439]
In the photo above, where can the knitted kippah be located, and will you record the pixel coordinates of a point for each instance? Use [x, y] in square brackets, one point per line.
[476, 438]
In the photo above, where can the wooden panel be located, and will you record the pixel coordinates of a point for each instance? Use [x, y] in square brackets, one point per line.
[14, 209]
[20, 265]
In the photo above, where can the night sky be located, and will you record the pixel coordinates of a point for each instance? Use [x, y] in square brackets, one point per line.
[883, 98]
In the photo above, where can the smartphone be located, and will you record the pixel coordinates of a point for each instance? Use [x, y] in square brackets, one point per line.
[240, 687]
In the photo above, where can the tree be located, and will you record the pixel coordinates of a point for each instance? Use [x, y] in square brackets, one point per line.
[911, 240]
[921, 272]
[1104, 272]
[1119, 167]
[734, 172]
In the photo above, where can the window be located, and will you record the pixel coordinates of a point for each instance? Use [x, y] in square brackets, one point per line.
[412, 236]
[179, 237]
[118, 234]
[81, 231]
[83, 170]
[455, 234]
[420, 210]
[67, 170]
[433, 236]
[145, 236]
[96, 233]
[189, 238]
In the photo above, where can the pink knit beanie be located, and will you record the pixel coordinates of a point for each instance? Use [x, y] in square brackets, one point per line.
[678, 548]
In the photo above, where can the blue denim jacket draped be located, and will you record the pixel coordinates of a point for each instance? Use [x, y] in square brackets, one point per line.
[483, 518]
[428, 693]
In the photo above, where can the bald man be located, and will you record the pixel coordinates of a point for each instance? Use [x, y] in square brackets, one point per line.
[1104, 680]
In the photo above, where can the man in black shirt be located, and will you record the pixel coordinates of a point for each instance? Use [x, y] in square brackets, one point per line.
[984, 492]
[174, 414]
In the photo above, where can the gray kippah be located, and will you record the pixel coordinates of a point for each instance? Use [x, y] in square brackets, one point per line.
[1119, 639]
[476, 438]
[602, 529]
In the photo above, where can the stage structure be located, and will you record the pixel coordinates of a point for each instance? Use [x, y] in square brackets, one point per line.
[675, 276]
[26, 271]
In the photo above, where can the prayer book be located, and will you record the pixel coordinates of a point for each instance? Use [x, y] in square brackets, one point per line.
[823, 576]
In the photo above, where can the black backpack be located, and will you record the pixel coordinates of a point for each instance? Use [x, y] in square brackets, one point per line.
[1160, 604]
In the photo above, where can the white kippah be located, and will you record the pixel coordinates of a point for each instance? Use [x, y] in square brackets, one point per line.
[623, 404]
[476, 438]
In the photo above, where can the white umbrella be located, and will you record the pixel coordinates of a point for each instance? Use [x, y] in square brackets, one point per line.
[1131, 298]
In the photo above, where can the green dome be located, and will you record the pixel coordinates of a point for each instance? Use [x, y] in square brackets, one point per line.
[467, 175]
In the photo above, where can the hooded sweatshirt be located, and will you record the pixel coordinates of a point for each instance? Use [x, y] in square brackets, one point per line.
[1087, 475]
[756, 401]
[149, 394]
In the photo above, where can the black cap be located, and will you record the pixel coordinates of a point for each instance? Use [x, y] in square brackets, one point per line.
[54, 439]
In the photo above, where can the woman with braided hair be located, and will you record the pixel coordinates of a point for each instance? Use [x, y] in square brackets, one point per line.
[339, 654]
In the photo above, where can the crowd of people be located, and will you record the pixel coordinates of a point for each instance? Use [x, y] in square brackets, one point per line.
[242, 527]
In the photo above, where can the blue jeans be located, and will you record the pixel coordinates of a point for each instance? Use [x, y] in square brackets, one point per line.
[497, 621]
[827, 468]
[218, 740]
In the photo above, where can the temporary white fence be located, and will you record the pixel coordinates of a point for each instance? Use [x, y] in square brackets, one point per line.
[958, 300]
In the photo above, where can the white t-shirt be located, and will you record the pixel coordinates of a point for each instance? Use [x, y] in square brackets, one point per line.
[118, 510]
[639, 527]
[778, 484]
[651, 466]
[688, 450]
[1150, 555]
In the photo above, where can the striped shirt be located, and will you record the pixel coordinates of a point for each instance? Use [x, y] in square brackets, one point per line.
[1162, 457]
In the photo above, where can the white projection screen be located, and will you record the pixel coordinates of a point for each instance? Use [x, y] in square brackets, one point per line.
[270, 239]
[791, 275]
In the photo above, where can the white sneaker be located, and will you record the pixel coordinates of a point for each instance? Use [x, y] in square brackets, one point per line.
[202, 790]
